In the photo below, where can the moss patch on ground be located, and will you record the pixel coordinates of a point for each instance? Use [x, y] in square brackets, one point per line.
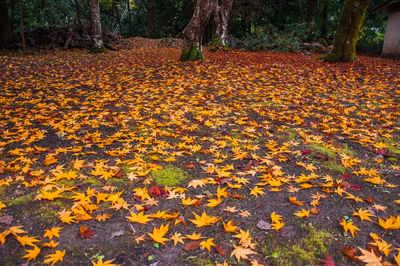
[304, 251]
[170, 176]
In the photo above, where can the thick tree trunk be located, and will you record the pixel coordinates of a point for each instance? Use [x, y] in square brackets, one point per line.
[351, 20]
[21, 25]
[95, 25]
[5, 24]
[221, 18]
[148, 8]
[193, 32]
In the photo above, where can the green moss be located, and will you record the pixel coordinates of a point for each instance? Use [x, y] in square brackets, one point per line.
[322, 149]
[334, 166]
[100, 50]
[22, 200]
[92, 181]
[303, 251]
[170, 176]
[192, 53]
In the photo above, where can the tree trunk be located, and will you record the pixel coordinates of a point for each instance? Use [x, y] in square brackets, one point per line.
[221, 18]
[129, 17]
[193, 32]
[95, 25]
[78, 13]
[309, 13]
[148, 8]
[303, 18]
[21, 25]
[324, 20]
[351, 20]
[5, 25]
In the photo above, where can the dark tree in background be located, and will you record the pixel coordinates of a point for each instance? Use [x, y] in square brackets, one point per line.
[5, 24]
[347, 33]
[193, 32]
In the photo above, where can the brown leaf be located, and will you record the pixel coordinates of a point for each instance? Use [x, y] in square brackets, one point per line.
[192, 245]
[238, 196]
[6, 219]
[190, 165]
[351, 253]
[86, 232]
[328, 261]
[220, 250]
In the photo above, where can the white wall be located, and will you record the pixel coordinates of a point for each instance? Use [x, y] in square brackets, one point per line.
[391, 45]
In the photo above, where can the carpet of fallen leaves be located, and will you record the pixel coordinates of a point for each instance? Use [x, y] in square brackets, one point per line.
[270, 144]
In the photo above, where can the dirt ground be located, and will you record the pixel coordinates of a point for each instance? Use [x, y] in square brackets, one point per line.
[88, 141]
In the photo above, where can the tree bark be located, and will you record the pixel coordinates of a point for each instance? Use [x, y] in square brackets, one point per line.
[148, 8]
[221, 18]
[303, 18]
[78, 13]
[95, 25]
[193, 32]
[21, 25]
[129, 17]
[5, 24]
[309, 13]
[324, 20]
[351, 20]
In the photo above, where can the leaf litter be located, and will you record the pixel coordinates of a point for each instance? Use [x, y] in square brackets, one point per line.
[271, 142]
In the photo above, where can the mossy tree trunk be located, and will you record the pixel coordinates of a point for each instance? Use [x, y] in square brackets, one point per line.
[193, 32]
[5, 24]
[221, 18]
[95, 25]
[351, 20]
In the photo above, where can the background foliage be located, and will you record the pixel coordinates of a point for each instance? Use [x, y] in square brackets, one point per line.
[254, 24]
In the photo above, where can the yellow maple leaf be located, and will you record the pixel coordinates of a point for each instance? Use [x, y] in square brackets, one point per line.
[257, 191]
[241, 253]
[139, 218]
[349, 226]
[55, 257]
[189, 201]
[363, 214]
[177, 237]
[369, 258]
[159, 233]
[302, 213]
[204, 220]
[51, 244]
[229, 226]
[53, 232]
[213, 202]
[196, 183]
[15, 230]
[27, 240]
[31, 253]
[207, 244]
[194, 236]
[105, 263]
[222, 192]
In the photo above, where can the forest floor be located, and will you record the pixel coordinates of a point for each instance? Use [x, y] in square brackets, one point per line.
[244, 158]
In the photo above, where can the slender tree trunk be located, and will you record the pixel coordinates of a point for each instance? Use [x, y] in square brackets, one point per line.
[12, 5]
[351, 20]
[148, 8]
[116, 14]
[324, 20]
[129, 17]
[221, 18]
[21, 25]
[95, 25]
[309, 13]
[5, 25]
[78, 13]
[193, 32]
[303, 18]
